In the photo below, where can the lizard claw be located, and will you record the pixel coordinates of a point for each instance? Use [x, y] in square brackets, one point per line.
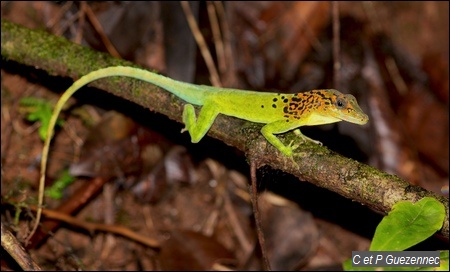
[305, 138]
[293, 147]
[289, 149]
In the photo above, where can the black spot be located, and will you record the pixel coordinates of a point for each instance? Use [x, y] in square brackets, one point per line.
[321, 94]
[262, 106]
[275, 99]
[274, 106]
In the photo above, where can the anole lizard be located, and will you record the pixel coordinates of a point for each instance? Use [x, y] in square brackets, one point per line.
[279, 112]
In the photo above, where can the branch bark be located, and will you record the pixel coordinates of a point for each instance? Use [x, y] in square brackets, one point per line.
[316, 164]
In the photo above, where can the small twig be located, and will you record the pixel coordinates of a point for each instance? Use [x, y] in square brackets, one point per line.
[336, 45]
[52, 22]
[75, 202]
[229, 76]
[214, 76]
[222, 193]
[17, 252]
[218, 41]
[25, 131]
[59, 29]
[220, 174]
[254, 194]
[395, 75]
[109, 211]
[98, 27]
[236, 226]
[81, 22]
[92, 227]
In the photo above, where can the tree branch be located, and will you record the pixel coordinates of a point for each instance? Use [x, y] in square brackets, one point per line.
[316, 164]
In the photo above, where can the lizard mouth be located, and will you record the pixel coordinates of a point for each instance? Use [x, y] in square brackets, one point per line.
[359, 120]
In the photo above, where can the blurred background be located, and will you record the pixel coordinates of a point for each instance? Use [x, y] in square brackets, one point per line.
[392, 56]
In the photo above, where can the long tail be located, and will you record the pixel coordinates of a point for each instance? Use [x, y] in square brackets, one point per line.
[186, 91]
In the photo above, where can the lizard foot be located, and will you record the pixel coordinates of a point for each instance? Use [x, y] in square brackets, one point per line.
[305, 138]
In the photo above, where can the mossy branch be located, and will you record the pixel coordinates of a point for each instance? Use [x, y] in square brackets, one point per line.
[349, 178]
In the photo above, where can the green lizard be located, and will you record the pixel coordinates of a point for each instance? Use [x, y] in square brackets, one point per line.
[279, 112]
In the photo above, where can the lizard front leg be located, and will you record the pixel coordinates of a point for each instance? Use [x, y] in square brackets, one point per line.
[277, 127]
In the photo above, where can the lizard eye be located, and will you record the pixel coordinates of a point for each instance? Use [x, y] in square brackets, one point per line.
[340, 103]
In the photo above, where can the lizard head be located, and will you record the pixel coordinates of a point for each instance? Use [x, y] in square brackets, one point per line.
[345, 107]
[319, 107]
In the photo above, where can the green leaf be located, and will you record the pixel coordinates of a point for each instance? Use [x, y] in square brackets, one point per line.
[39, 110]
[56, 190]
[444, 261]
[408, 224]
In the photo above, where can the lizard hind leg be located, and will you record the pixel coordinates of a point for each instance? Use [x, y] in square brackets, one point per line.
[197, 127]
